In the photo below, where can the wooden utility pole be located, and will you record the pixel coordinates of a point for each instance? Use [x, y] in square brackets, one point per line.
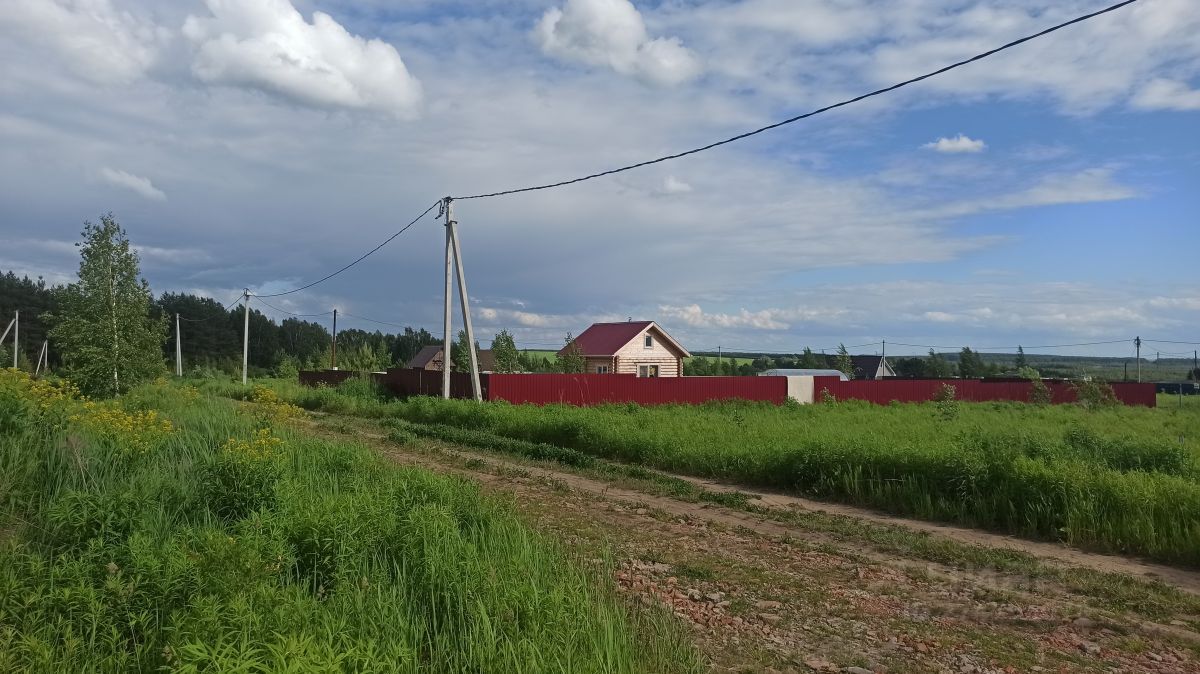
[246, 335]
[333, 354]
[178, 350]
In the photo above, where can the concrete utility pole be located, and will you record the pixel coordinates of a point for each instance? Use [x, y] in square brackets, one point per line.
[719, 360]
[333, 354]
[43, 358]
[6, 331]
[454, 262]
[178, 350]
[1137, 342]
[16, 331]
[449, 298]
[246, 335]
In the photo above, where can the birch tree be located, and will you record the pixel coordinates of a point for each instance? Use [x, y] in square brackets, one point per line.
[108, 338]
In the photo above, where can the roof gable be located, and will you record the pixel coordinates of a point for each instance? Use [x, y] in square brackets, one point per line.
[865, 367]
[487, 359]
[606, 339]
[424, 356]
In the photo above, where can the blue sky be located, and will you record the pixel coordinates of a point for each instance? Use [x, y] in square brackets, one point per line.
[1048, 195]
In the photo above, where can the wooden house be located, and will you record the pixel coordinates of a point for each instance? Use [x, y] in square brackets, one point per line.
[640, 348]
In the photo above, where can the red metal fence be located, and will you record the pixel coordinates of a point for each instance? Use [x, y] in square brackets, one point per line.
[884, 391]
[597, 389]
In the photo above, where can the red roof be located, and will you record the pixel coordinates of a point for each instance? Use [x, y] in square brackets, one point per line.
[606, 339]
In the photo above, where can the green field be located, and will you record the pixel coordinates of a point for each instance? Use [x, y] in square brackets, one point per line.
[173, 531]
[1114, 478]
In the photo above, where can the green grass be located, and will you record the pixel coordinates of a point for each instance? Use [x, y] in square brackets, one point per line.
[1115, 479]
[309, 556]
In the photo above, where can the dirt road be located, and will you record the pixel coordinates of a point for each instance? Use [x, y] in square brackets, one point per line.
[781, 586]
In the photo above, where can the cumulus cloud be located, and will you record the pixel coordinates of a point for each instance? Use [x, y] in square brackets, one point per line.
[612, 33]
[267, 45]
[129, 181]
[673, 185]
[957, 145]
[1164, 94]
[93, 38]
[694, 316]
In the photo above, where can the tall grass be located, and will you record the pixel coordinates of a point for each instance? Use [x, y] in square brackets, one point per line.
[1116, 479]
[230, 545]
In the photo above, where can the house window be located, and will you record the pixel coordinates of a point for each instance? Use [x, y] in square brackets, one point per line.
[601, 369]
[647, 370]
[649, 342]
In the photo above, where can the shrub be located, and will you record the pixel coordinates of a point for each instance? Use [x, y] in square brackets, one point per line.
[946, 401]
[241, 478]
[1091, 393]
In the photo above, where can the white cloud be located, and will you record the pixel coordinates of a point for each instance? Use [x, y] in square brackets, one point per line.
[1164, 94]
[673, 185]
[694, 316]
[267, 45]
[94, 39]
[956, 145]
[129, 181]
[1082, 187]
[612, 33]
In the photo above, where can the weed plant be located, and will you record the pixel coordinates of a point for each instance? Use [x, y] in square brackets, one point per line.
[229, 543]
[1104, 477]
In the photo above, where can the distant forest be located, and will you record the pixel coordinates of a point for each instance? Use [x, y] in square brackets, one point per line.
[212, 342]
[212, 336]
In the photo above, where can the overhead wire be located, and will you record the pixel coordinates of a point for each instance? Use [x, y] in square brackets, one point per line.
[290, 313]
[361, 258]
[225, 308]
[813, 113]
[1012, 348]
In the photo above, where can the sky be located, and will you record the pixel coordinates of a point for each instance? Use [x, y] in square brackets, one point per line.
[1047, 195]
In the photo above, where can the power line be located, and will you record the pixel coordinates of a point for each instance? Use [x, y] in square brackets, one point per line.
[360, 259]
[1167, 341]
[1013, 348]
[225, 308]
[291, 313]
[813, 113]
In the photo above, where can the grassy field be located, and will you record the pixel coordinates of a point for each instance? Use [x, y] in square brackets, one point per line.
[174, 531]
[1115, 479]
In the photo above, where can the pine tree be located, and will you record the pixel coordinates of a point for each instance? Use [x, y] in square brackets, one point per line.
[843, 362]
[108, 338]
[460, 357]
[571, 360]
[504, 350]
[1021, 363]
[811, 361]
[970, 365]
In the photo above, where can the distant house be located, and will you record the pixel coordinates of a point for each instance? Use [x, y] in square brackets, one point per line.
[430, 358]
[865, 367]
[640, 348]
